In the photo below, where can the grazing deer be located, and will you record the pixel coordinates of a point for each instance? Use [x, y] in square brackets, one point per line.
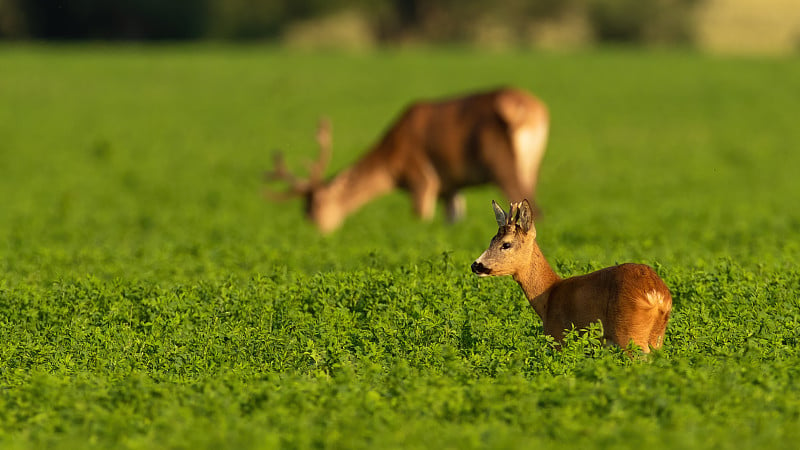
[433, 150]
[630, 300]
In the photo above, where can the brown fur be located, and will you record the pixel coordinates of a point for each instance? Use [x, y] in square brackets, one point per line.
[630, 300]
[436, 148]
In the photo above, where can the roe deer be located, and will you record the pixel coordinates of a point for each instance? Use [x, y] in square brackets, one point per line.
[630, 300]
[433, 150]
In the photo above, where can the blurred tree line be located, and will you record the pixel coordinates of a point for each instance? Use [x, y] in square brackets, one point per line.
[667, 21]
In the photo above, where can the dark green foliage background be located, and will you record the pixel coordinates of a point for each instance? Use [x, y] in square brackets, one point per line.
[150, 296]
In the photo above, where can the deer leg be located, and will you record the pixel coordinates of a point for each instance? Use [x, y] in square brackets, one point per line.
[499, 156]
[507, 181]
[513, 190]
[657, 332]
[456, 206]
[424, 183]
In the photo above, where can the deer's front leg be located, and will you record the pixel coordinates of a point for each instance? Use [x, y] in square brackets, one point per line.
[423, 183]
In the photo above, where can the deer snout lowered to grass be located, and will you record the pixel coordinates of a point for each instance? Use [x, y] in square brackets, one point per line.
[433, 150]
[630, 300]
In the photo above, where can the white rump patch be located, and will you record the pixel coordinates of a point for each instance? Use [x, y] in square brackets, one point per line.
[654, 298]
[528, 147]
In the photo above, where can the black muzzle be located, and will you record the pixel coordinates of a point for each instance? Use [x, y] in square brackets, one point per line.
[480, 269]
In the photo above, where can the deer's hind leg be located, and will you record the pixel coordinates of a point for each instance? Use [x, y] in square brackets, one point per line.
[633, 323]
[504, 171]
[455, 205]
[658, 330]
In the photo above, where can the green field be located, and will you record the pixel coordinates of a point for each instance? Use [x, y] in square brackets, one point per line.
[151, 298]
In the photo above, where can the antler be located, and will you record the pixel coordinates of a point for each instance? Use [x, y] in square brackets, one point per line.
[513, 213]
[299, 186]
[324, 140]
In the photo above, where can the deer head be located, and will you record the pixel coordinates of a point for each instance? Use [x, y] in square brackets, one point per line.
[510, 249]
[317, 207]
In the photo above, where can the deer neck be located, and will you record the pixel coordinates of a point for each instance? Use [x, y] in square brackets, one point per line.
[536, 281]
[358, 184]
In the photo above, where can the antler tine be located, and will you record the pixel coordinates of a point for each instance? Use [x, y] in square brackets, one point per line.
[297, 185]
[513, 212]
[324, 140]
[279, 196]
[279, 172]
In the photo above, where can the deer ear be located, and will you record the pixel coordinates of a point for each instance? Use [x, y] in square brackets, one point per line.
[499, 214]
[525, 219]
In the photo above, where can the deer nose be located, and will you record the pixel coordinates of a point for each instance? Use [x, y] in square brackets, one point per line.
[479, 268]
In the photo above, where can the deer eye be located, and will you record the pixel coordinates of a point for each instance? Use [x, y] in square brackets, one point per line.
[505, 246]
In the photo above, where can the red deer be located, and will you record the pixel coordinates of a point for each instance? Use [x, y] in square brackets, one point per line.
[630, 300]
[433, 150]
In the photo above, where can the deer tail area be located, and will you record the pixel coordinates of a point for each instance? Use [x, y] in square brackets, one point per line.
[518, 108]
[656, 299]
